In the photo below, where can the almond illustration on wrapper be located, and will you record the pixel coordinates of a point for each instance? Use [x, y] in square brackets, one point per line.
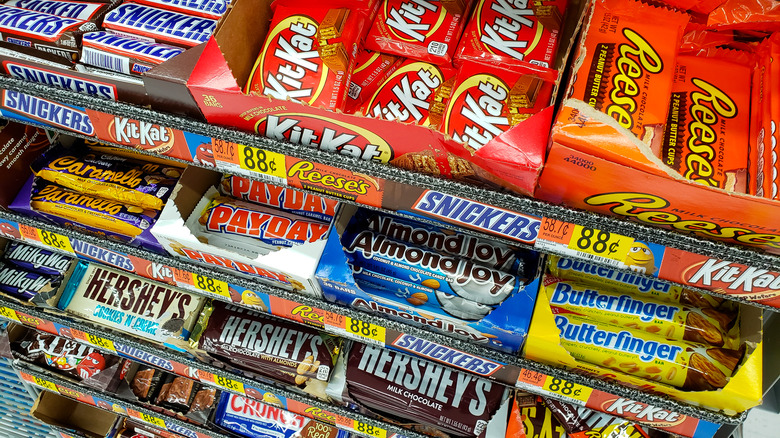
[418, 299]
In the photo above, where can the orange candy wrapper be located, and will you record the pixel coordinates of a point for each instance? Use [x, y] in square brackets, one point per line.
[760, 15]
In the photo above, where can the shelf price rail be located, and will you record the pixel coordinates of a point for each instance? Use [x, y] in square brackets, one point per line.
[549, 228]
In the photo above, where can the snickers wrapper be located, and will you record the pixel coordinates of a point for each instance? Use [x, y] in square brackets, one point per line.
[266, 346]
[146, 185]
[25, 284]
[86, 11]
[213, 9]
[410, 389]
[130, 303]
[159, 24]
[123, 54]
[685, 365]
[74, 210]
[45, 32]
[37, 259]
[301, 203]
[442, 273]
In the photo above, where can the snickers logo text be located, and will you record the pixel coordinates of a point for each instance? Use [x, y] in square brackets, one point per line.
[49, 112]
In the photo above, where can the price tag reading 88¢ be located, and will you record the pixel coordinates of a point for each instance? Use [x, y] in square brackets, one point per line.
[569, 391]
[263, 163]
[369, 430]
[55, 240]
[366, 332]
[600, 243]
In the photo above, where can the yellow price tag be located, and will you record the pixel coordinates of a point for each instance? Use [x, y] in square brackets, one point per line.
[210, 285]
[370, 430]
[230, 385]
[45, 384]
[600, 243]
[7, 313]
[55, 240]
[366, 331]
[570, 390]
[151, 419]
[262, 161]
[101, 342]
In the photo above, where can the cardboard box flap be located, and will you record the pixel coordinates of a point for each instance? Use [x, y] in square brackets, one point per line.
[246, 22]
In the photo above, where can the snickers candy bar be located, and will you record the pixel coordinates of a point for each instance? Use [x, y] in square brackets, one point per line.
[130, 303]
[36, 259]
[45, 32]
[291, 201]
[387, 382]
[213, 9]
[371, 69]
[449, 274]
[69, 9]
[26, 284]
[74, 209]
[159, 24]
[124, 54]
[61, 354]
[146, 185]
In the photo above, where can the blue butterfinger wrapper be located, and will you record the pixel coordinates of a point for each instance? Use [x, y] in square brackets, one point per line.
[449, 274]
[36, 259]
[25, 284]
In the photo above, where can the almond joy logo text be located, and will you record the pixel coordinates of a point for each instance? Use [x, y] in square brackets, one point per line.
[414, 20]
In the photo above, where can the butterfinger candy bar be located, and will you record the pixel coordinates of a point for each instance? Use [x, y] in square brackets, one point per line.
[291, 201]
[45, 32]
[685, 365]
[37, 259]
[449, 274]
[124, 54]
[146, 185]
[455, 402]
[213, 9]
[371, 69]
[159, 24]
[708, 125]
[626, 72]
[674, 322]
[69, 9]
[502, 32]
[25, 284]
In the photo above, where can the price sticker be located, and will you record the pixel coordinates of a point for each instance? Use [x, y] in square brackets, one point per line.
[104, 343]
[228, 384]
[568, 391]
[261, 161]
[532, 378]
[56, 241]
[45, 384]
[151, 419]
[583, 242]
[210, 285]
[359, 426]
[7, 313]
[356, 329]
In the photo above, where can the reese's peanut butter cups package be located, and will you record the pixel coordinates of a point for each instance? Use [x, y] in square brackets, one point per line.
[625, 65]
[685, 365]
[371, 69]
[502, 32]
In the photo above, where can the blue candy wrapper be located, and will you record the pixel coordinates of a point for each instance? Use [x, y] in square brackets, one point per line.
[25, 284]
[36, 259]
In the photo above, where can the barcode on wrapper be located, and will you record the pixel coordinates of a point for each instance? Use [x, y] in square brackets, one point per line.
[105, 60]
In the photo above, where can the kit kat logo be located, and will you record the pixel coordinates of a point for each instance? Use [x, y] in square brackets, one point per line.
[482, 116]
[141, 134]
[290, 67]
[327, 135]
[48, 112]
[502, 23]
[642, 412]
[414, 20]
[726, 276]
[406, 95]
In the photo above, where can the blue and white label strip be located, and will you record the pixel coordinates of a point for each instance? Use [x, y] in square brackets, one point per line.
[161, 25]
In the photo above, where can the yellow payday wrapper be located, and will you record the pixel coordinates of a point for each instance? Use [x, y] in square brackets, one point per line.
[672, 321]
[686, 365]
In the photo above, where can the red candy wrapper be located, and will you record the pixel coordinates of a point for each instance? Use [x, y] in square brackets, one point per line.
[371, 70]
[758, 15]
[420, 29]
[502, 31]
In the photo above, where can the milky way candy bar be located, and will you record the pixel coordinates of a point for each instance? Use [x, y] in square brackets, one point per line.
[213, 9]
[458, 403]
[44, 32]
[291, 201]
[124, 54]
[449, 274]
[25, 284]
[69, 9]
[36, 259]
[159, 24]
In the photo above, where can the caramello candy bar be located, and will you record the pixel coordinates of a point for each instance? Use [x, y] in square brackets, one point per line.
[449, 274]
[70, 9]
[213, 9]
[685, 365]
[44, 32]
[291, 201]
[25, 284]
[37, 259]
[124, 54]
[159, 24]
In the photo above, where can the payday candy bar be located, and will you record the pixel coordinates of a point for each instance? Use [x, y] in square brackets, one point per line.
[44, 32]
[159, 24]
[130, 303]
[407, 94]
[449, 274]
[61, 354]
[291, 201]
[421, 30]
[686, 365]
[74, 209]
[626, 72]
[37, 259]
[124, 54]
[267, 346]
[247, 417]
[709, 119]
[674, 322]
[502, 32]
[213, 9]
[69, 9]
[25, 284]
[265, 225]
[458, 403]
[146, 185]
[371, 69]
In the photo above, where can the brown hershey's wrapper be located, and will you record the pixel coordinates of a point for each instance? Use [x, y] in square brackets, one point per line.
[269, 347]
[412, 389]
